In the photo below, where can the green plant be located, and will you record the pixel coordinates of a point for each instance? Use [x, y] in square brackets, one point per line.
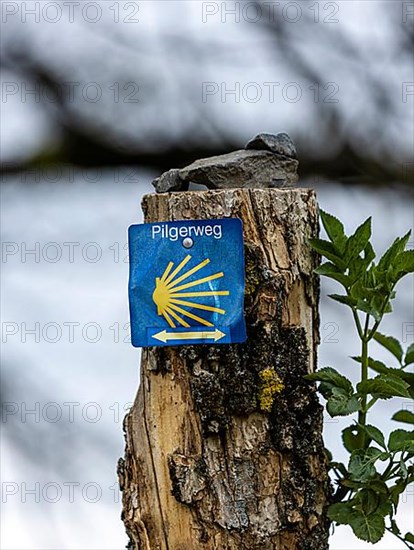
[369, 487]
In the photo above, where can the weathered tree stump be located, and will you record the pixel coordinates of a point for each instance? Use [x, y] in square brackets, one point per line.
[223, 443]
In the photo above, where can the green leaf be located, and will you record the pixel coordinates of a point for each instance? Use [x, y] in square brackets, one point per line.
[361, 463]
[328, 250]
[362, 513]
[367, 501]
[352, 438]
[375, 365]
[357, 269]
[385, 508]
[334, 229]
[394, 528]
[404, 263]
[401, 440]
[340, 512]
[409, 537]
[328, 269]
[395, 492]
[370, 528]
[379, 367]
[365, 307]
[403, 469]
[379, 487]
[361, 291]
[347, 300]
[391, 344]
[369, 254]
[328, 455]
[338, 391]
[409, 378]
[409, 356]
[331, 376]
[338, 466]
[340, 403]
[404, 416]
[384, 386]
[375, 434]
[396, 248]
[358, 241]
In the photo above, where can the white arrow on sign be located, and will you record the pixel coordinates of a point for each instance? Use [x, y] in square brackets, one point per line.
[165, 336]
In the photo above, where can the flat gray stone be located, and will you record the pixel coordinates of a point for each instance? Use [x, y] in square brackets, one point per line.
[281, 144]
[170, 181]
[248, 169]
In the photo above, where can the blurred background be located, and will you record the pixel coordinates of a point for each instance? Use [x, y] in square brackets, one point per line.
[98, 99]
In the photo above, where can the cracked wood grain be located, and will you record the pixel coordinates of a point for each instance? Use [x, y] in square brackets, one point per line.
[205, 467]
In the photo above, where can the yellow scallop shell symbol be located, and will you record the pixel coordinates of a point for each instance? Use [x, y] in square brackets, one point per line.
[167, 295]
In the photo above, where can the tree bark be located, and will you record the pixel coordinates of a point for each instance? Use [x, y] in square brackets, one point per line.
[223, 443]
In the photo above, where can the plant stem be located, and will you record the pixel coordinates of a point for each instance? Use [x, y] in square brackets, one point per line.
[374, 329]
[362, 415]
[358, 323]
[371, 403]
[366, 328]
[387, 470]
[400, 537]
[377, 324]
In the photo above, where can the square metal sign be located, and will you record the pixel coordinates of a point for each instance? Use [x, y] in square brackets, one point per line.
[186, 282]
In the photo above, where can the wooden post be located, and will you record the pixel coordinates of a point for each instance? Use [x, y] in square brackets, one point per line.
[223, 443]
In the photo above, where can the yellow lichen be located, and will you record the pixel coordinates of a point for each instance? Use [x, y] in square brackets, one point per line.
[270, 385]
[252, 279]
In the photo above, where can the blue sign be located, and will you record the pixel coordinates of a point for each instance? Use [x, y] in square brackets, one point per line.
[186, 282]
